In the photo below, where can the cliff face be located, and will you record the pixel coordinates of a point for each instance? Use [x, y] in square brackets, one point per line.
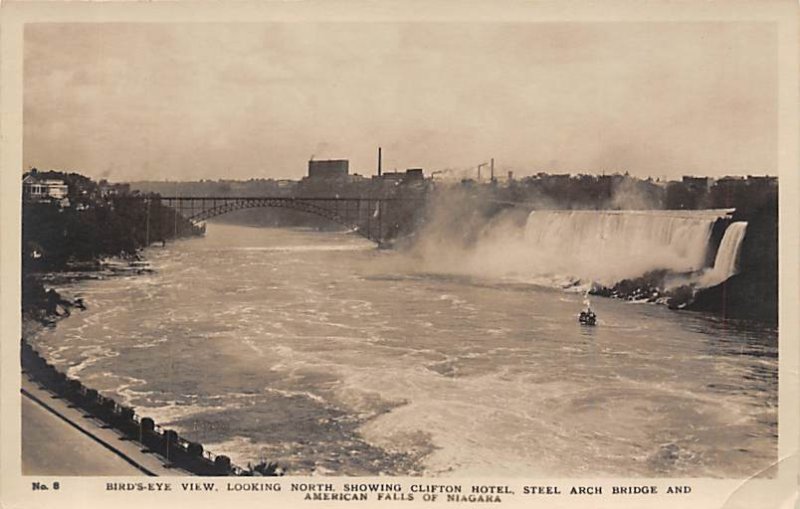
[752, 293]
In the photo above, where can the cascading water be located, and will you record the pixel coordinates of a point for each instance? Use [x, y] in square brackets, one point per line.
[727, 259]
[576, 248]
[607, 246]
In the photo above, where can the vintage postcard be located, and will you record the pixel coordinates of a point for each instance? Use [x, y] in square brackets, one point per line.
[400, 254]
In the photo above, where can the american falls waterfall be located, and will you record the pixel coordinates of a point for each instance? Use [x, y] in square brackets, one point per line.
[580, 248]
[727, 259]
[608, 246]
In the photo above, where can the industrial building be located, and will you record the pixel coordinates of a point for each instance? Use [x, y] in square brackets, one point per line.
[328, 169]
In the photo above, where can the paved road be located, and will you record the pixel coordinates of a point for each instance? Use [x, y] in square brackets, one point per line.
[51, 446]
[58, 439]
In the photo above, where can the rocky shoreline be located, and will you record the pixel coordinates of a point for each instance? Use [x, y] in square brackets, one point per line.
[752, 294]
[746, 296]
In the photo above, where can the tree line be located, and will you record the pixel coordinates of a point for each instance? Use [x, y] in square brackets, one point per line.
[94, 222]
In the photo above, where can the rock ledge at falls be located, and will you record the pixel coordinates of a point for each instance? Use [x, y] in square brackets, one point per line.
[751, 294]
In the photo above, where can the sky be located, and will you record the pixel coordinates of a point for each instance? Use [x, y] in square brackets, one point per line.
[165, 101]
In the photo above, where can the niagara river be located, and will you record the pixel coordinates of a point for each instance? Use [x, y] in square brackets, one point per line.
[316, 350]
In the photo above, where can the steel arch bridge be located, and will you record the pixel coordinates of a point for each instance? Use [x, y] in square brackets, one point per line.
[377, 219]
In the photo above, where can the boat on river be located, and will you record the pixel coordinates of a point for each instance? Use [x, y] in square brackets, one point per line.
[587, 317]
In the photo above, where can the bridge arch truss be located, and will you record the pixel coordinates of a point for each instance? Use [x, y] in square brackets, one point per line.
[366, 216]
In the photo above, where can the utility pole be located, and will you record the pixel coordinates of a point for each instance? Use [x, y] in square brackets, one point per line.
[147, 228]
[175, 223]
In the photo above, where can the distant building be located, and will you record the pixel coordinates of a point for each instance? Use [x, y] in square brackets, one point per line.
[743, 193]
[762, 180]
[37, 189]
[392, 175]
[696, 183]
[611, 180]
[415, 174]
[731, 178]
[330, 169]
[730, 183]
[107, 189]
[410, 175]
[555, 178]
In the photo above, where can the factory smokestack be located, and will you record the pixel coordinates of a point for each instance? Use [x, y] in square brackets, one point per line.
[379, 161]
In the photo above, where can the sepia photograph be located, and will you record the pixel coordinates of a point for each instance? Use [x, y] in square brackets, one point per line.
[418, 249]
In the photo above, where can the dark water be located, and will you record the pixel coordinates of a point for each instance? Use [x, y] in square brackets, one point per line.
[317, 350]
